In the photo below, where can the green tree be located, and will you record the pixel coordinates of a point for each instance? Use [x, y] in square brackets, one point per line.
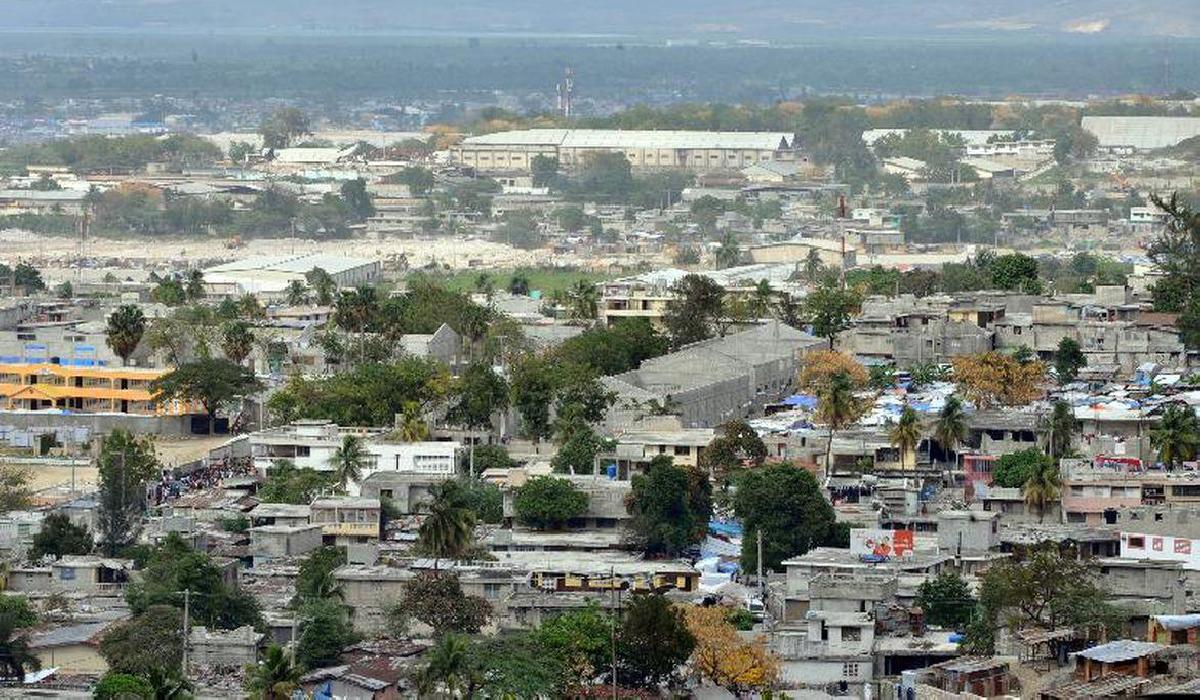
[549, 503]
[348, 460]
[1177, 435]
[174, 567]
[315, 581]
[533, 395]
[149, 645]
[838, 408]
[1061, 429]
[481, 394]
[449, 669]
[272, 678]
[58, 537]
[786, 503]
[357, 199]
[322, 284]
[123, 686]
[580, 446]
[653, 641]
[16, 658]
[518, 284]
[1042, 487]
[169, 291]
[906, 434]
[581, 638]
[448, 530]
[1047, 588]
[418, 180]
[829, 310]
[737, 445]
[285, 483]
[210, 382]
[1015, 272]
[1014, 469]
[946, 600]
[670, 508]
[696, 304]
[124, 330]
[325, 630]
[544, 170]
[237, 340]
[126, 465]
[439, 602]
[283, 126]
[950, 430]
[16, 609]
[296, 292]
[193, 284]
[728, 254]
[1068, 360]
[483, 498]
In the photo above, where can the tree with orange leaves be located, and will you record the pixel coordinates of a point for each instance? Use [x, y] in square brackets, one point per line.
[989, 378]
[821, 365]
[725, 658]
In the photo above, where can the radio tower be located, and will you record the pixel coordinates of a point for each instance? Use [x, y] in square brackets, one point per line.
[566, 90]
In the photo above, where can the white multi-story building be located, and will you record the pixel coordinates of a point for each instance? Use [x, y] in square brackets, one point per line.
[311, 444]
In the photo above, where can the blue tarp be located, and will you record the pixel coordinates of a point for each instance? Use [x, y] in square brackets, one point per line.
[729, 528]
[801, 401]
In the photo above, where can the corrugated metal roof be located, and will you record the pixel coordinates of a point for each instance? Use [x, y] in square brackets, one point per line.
[1141, 132]
[620, 138]
[1120, 650]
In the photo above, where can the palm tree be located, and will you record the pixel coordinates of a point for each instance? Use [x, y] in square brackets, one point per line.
[1177, 436]
[124, 330]
[837, 407]
[583, 300]
[273, 678]
[449, 668]
[15, 655]
[413, 427]
[950, 430]
[906, 434]
[348, 460]
[728, 254]
[484, 285]
[323, 285]
[760, 299]
[237, 340]
[1042, 487]
[813, 267]
[448, 530]
[193, 284]
[296, 292]
[1060, 430]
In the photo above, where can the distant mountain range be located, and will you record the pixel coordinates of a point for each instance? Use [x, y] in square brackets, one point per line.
[776, 20]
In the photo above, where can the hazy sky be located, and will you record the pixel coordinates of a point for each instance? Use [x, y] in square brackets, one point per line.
[739, 19]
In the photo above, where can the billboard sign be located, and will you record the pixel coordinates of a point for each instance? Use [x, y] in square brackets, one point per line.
[880, 545]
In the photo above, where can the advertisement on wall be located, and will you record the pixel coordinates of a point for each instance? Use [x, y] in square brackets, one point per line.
[880, 545]
[1137, 545]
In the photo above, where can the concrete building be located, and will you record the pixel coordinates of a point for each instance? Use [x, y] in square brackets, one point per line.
[713, 381]
[225, 648]
[268, 542]
[692, 150]
[44, 385]
[656, 436]
[348, 520]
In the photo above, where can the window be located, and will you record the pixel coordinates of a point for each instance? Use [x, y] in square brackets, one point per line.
[682, 450]
[66, 574]
[850, 669]
[491, 591]
[1137, 542]
[851, 634]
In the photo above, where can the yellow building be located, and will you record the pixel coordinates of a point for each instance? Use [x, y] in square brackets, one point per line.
[85, 389]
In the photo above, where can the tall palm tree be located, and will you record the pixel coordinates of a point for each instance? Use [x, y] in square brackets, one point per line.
[15, 656]
[237, 341]
[837, 407]
[296, 292]
[273, 678]
[448, 530]
[760, 299]
[1060, 430]
[348, 460]
[449, 669]
[413, 427]
[583, 300]
[906, 434]
[193, 284]
[729, 254]
[950, 430]
[1177, 435]
[1043, 487]
[124, 330]
[813, 267]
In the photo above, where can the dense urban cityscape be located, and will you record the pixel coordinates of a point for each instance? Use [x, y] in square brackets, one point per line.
[538, 352]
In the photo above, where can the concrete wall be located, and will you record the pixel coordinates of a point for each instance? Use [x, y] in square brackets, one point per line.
[103, 423]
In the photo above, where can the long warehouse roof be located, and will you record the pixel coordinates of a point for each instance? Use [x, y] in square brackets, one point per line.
[620, 138]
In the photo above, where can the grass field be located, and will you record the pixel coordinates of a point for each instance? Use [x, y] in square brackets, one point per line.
[544, 279]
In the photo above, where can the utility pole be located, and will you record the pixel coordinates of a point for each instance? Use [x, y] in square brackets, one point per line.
[758, 555]
[612, 581]
[187, 600]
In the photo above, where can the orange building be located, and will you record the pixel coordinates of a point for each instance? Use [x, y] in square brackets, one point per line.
[84, 389]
